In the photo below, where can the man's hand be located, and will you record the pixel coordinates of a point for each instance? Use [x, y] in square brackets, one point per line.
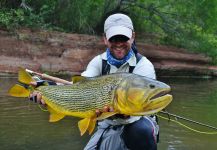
[36, 96]
[105, 109]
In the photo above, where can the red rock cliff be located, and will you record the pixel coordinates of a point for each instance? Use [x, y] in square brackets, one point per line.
[70, 53]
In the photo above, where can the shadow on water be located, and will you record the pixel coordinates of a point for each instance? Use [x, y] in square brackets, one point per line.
[24, 126]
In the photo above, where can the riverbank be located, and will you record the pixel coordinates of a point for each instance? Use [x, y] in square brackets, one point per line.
[58, 52]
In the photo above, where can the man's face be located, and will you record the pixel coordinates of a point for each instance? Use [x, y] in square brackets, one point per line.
[119, 45]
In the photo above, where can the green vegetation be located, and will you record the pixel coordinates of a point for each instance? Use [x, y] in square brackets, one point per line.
[181, 23]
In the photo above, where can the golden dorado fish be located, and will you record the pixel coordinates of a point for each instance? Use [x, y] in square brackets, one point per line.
[127, 93]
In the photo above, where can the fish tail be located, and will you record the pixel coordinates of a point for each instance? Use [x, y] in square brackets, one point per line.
[24, 77]
[22, 88]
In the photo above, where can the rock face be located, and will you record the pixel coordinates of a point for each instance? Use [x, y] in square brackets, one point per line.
[56, 52]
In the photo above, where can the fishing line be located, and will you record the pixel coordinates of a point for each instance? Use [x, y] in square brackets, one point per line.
[42, 108]
[187, 127]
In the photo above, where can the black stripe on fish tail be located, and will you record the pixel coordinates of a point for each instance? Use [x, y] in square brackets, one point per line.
[26, 86]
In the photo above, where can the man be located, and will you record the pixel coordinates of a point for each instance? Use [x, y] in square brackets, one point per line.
[121, 132]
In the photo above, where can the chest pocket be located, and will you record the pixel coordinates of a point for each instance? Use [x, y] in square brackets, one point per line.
[106, 67]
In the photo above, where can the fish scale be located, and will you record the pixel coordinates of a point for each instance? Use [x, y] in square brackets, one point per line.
[83, 96]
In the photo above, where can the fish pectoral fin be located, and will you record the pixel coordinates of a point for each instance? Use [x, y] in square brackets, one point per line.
[83, 125]
[54, 116]
[18, 91]
[106, 115]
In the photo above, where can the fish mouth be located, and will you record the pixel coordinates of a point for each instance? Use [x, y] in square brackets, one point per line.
[158, 101]
[160, 93]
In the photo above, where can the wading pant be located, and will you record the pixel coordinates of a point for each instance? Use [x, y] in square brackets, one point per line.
[139, 135]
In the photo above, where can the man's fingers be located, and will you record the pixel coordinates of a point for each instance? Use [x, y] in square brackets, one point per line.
[111, 109]
[43, 102]
[31, 97]
[33, 83]
[98, 112]
[37, 98]
[105, 109]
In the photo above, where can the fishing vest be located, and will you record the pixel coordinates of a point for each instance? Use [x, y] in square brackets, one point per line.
[106, 67]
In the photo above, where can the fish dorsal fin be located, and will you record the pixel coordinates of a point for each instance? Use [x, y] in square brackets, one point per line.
[19, 91]
[24, 77]
[54, 116]
[106, 115]
[77, 78]
[83, 125]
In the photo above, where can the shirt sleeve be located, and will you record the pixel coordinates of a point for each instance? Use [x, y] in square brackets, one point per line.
[145, 68]
[94, 68]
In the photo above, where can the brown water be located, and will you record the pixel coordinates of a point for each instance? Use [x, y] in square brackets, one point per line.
[24, 126]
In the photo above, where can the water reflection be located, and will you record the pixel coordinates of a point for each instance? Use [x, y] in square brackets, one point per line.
[24, 126]
[195, 99]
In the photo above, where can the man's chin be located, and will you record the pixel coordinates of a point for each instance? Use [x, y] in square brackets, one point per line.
[119, 56]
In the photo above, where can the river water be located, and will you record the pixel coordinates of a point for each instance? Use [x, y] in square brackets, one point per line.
[24, 126]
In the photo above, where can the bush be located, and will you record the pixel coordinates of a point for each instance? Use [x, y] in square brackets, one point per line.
[182, 23]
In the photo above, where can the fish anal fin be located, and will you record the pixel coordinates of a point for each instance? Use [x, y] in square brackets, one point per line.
[106, 115]
[83, 125]
[92, 125]
[18, 91]
[54, 116]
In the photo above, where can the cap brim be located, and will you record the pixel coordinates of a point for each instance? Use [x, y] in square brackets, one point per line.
[118, 30]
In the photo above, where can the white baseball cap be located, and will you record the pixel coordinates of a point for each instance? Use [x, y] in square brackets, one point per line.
[118, 24]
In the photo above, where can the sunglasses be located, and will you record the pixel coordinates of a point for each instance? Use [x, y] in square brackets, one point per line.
[119, 38]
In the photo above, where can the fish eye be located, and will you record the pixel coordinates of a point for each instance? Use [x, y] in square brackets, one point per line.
[152, 86]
